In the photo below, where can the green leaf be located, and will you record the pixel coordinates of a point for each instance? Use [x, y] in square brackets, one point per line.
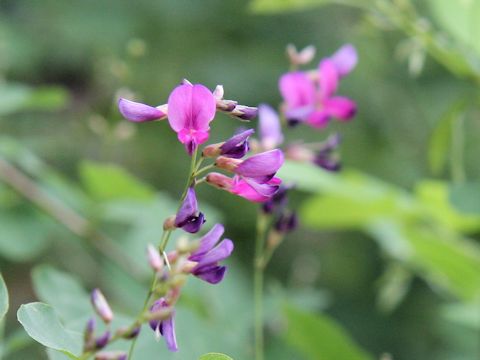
[440, 140]
[215, 356]
[109, 181]
[320, 338]
[466, 197]
[18, 97]
[3, 298]
[278, 6]
[43, 325]
[460, 19]
[63, 292]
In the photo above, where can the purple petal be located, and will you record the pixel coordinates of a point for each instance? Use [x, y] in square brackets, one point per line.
[168, 332]
[194, 223]
[340, 107]
[297, 89]
[191, 107]
[328, 78]
[138, 112]
[267, 189]
[207, 242]
[269, 125]
[218, 253]
[345, 59]
[237, 146]
[211, 274]
[263, 164]
[188, 209]
[299, 114]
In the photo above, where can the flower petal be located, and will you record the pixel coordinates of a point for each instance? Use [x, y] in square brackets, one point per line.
[207, 242]
[194, 223]
[218, 253]
[340, 107]
[211, 274]
[244, 189]
[138, 112]
[168, 332]
[328, 78]
[237, 146]
[319, 119]
[188, 209]
[260, 165]
[297, 89]
[269, 126]
[191, 107]
[345, 59]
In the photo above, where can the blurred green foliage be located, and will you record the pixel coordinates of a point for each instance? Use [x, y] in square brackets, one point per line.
[413, 292]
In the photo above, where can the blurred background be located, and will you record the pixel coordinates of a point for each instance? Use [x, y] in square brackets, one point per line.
[387, 259]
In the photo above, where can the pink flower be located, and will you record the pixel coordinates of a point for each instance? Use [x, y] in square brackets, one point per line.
[190, 110]
[315, 102]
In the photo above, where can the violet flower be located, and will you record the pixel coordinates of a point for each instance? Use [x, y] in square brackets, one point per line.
[316, 105]
[260, 167]
[209, 253]
[269, 127]
[286, 222]
[166, 327]
[325, 157]
[188, 216]
[236, 147]
[138, 112]
[278, 201]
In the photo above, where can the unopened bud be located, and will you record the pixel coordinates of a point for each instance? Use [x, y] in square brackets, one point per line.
[111, 355]
[218, 92]
[169, 223]
[226, 105]
[88, 335]
[212, 151]
[128, 333]
[219, 180]
[101, 306]
[154, 258]
[102, 340]
[300, 57]
[245, 112]
[299, 152]
[227, 163]
[286, 223]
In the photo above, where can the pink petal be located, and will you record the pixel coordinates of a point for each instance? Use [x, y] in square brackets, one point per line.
[319, 119]
[191, 107]
[270, 129]
[297, 89]
[245, 190]
[328, 78]
[340, 107]
[138, 112]
[345, 59]
[263, 164]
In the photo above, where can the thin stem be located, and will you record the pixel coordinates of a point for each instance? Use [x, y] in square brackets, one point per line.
[456, 154]
[205, 168]
[258, 277]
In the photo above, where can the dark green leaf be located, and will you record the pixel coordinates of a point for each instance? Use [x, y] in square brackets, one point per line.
[42, 324]
[320, 338]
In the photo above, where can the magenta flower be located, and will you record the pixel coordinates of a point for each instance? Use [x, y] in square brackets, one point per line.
[191, 108]
[166, 327]
[260, 167]
[188, 217]
[316, 102]
[248, 189]
[269, 126]
[209, 253]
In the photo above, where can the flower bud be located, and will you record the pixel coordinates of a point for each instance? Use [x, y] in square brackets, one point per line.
[302, 57]
[245, 112]
[154, 258]
[286, 223]
[128, 333]
[212, 151]
[101, 306]
[219, 180]
[111, 355]
[226, 105]
[218, 92]
[227, 163]
[169, 223]
[102, 340]
[88, 335]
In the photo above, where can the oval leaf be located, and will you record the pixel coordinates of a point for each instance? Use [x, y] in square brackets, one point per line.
[43, 325]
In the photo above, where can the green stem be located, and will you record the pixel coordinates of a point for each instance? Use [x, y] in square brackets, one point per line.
[258, 277]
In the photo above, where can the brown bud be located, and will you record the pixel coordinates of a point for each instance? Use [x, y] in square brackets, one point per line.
[169, 223]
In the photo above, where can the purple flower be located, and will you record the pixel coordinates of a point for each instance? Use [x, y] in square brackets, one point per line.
[209, 253]
[237, 146]
[325, 156]
[245, 112]
[188, 217]
[102, 340]
[278, 201]
[101, 306]
[286, 222]
[261, 167]
[166, 327]
[191, 108]
[139, 112]
[269, 126]
[315, 104]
